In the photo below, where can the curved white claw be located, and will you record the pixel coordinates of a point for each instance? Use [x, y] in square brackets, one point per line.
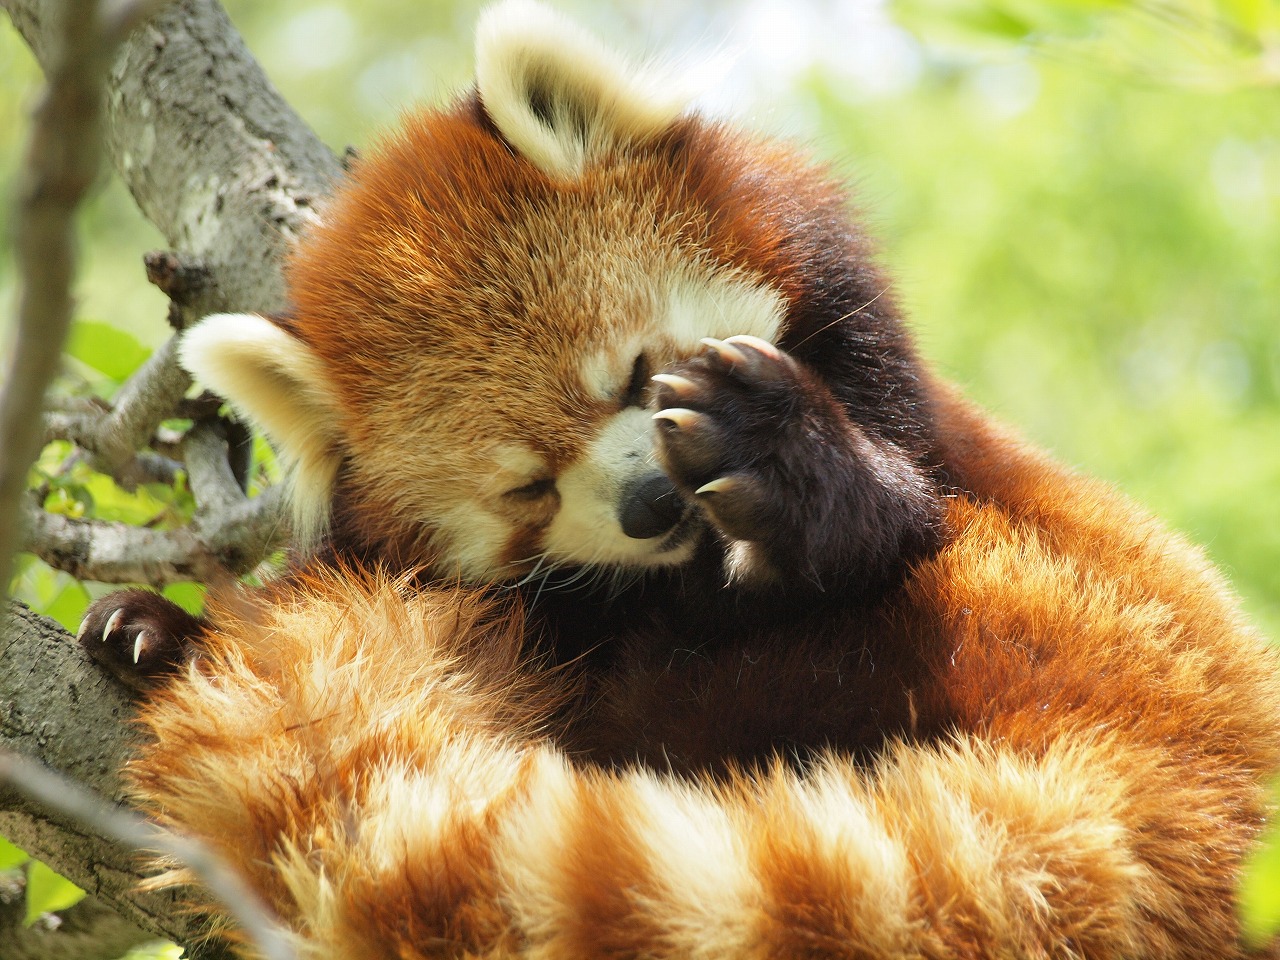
[113, 622]
[681, 386]
[728, 352]
[682, 417]
[764, 346]
[718, 485]
[139, 644]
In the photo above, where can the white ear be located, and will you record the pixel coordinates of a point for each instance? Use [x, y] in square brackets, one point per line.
[559, 95]
[276, 381]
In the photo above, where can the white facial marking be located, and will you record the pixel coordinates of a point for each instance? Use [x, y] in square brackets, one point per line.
[692, 304]
[587, 529]
[606, 372]
[476, 539]
[719, 306]
[515, 465]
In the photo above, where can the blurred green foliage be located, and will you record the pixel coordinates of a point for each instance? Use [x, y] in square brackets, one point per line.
[46, 891]
[1096, 260]
[1220, 44]
[1081, 199]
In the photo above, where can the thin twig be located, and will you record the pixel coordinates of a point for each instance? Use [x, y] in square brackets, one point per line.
[61, 161]
[205, 452]
[231, 540]
[112, 434]
[148, 397]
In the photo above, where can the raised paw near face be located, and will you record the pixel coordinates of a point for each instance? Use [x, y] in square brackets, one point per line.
[761, 444]
[726, 431]
[139, 637]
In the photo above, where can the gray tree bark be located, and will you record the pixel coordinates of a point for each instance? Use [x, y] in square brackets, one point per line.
[57, 707]
[210, 151]
[229, 174]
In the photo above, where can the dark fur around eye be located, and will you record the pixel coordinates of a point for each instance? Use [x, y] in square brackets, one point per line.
[535, 490]
[638, 385]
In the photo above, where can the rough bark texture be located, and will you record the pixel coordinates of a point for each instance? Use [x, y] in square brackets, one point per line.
[233, 540]
[213, 155]
[229, 174]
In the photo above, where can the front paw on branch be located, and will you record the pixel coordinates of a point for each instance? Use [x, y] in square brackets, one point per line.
[139, 637]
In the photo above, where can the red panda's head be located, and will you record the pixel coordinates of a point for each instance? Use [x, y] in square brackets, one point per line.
[463, 376]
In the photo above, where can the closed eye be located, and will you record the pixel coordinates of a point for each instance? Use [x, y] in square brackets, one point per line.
[638, 384]
[535, 490]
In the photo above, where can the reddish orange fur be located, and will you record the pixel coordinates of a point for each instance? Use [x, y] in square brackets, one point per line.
[1051, 739]
[1114, 722]
[439, 246]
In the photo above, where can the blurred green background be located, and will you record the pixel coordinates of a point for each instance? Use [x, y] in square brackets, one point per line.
[1080, 198]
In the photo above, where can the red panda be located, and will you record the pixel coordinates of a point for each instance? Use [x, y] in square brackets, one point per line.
[656, 600]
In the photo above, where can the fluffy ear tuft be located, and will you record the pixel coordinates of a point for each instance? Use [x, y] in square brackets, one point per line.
[558, 94]
[275, 380]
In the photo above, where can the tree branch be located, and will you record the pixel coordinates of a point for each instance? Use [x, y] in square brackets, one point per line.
[57, 706]
[229, 174]
[209, 149]
[226, 542]
[112, 435]
[60, 163]
[53, 792]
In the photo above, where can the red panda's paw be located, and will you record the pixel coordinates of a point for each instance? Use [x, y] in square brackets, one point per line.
[721, 420]
[758, 441]
[139, 637]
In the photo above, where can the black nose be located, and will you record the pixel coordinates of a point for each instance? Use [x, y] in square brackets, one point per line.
[650, 507]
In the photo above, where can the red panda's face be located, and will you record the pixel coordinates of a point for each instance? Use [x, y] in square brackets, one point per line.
[489, 333]
[466, 365]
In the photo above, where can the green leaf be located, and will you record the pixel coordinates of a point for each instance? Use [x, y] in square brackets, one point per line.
[156, 951]
[106, 349]
[140, 508]
[51, 592]
[1260, 889]
[68, 604]
[189, 596]
[47, 892]
[67, 501]
[267, 472]
[49, 465]
[1260, 894]
[11, 856]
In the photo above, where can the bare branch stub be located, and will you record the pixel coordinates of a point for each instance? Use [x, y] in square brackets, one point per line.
[183, 280]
